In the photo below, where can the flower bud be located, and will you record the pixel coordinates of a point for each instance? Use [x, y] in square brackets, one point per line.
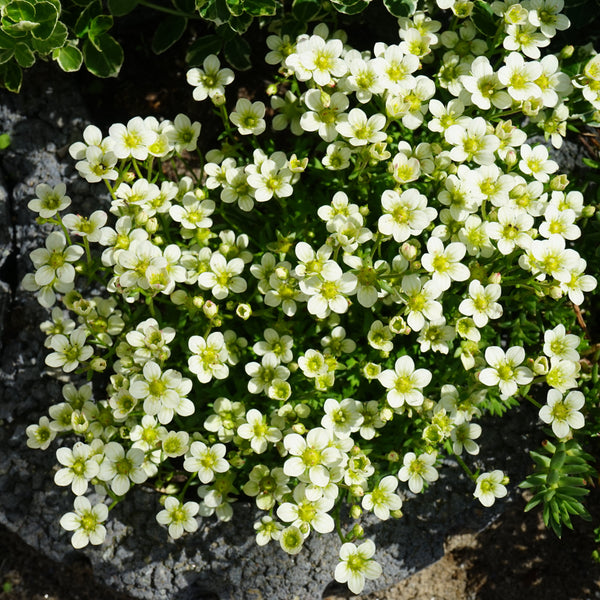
[79, 422]
[129, 177]
[178, 297]
[198, 301]
[357, 491]
[356, 512]
[540, 365]
[559, 182]
[218, 99]
[282, 273]
[511, 158]
[271, 89]
[210, 309]
[409, 250]
[566, 52]
[555, 293]
[152, 227]
[396, 514]
[588, 211]
[299, 428]
[98, 364]
[393, 456]
[357, 531]
[243, 311]
[495, 278]
[302, 410]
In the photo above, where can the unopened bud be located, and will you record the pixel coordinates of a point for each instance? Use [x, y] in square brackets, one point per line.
[357, 491]
[271, 89]
[198, 301]
[408, 250]
[393, 456]
[396, 514]
[356, 512]
[357, 531]
[282, 273]
[540, 365]
[559, 182]
[495, 278]
[210, 309]
[556, 293]
[178, 297]
[299, 428]
[588, 211]
[152, 227]
[218, 99]
[98, 364]
[511, 158]
[302, 410]
[566, 52]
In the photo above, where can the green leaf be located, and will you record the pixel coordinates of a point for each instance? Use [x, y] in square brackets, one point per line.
[235, 7]
[4, 141]
[121, 7]
[484, 19]
[201, 48]
[106, 61]
[237, 52]
[24, 56]
[6, 54]
[69, 58]
[401, 8]
[215, 10]
[98, 27]
[20, 10]
[47, 16]
[240, 24]
[260, 8]
[6, 41]
[56, 40]
[168, 32]
[350, 8]
[11, 76]
[305, 10]
[91, 11]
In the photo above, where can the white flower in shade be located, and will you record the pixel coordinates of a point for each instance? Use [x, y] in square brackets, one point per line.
[560, 344]
[86, 522]
[562, 374]
[404, 383]
[444, 263]
[471, 141]
[380, 336]
[210, 81]
[534, 161]
[462, 436]
[87, 227]
[504, 370]
[79, 467]
[131, 140]
[404, 215]
[481, 304]
[206, 460]
[278, 345]
[489, 487]
[525, 39]
[267, 529]
[183, 135]
[267, 485]
[97, 164]
[418, 469]
[382, 499]
[120, 468]
[257, 430]
[304, 513]
[337, 156]
[563, 413]
[519, 77]
[484, 86]
[324, 112]
[291, 540]
[436, 336]
[395, 67]
[311, 456]
[311, 262]
[343, 418]
[179, 517]
[421, 303]
[40, 435]
[248, 117]
[546, 14]
[361, 130]
[357, 564]
[209, 356]
[53, 263]
[69, 351]
[263, 374]
[49, 200]
[337, 343]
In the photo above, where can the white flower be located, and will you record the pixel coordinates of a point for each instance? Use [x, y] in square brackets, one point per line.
[79, 467]
[356, 564]
[421, 303]
[49, 200]
[482, 305]
[267, 529]
[317, 59]
[512, 229]
[131, 140]
[303, 513]
[504, 370]
[361, 130]
[462, 436]
[484, 86]
[489, 487]
[193, 212]
[257, 430]
[210, 81]
[563, 413]
[551, 257]
[404, 215]
[270, 180]
[291, 539]
[324, 113]
[404, 383]
[519, 77]
[418, 469]
[178, 516]
[560, 344]
[248, 117]
[280, 346]
[206, 460]
[382, 499]
[329, 291]
[562, 374]
[578, 283]
[86, 522]
[471, 141]
[209, 356]
[337, 156]
[40, 435]
[69, 351]
[444, 263]
[87, 227]
[121, 468]
[223, 276]
[545, 14]
[343, 418]
[53, 263]
[534, 161]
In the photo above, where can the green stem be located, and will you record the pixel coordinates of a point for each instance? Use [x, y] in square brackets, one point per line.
[466, 469]
[170, 11]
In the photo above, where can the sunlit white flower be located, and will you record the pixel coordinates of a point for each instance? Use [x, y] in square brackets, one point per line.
[489, 487]
[444, 263]
[404, 383]
[481, 304]
[404, 215]
[178, 516]
[519, 77]
[132, 139]
[209, 356]
[382, 499]
[257, 430]
[86, 522]
[563, 413]
[210, 81]
[534, 161]
[79, 467]
[325, 112]
[356, 564]
[418, 469]
[206, 460]
[248, 117]
[471, 141]
[504, 370]
[303, 512]
[361, 130]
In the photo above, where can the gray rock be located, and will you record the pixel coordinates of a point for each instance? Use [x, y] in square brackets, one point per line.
[221, 560]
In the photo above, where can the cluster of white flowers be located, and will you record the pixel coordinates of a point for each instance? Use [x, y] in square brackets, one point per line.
[325, 321]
